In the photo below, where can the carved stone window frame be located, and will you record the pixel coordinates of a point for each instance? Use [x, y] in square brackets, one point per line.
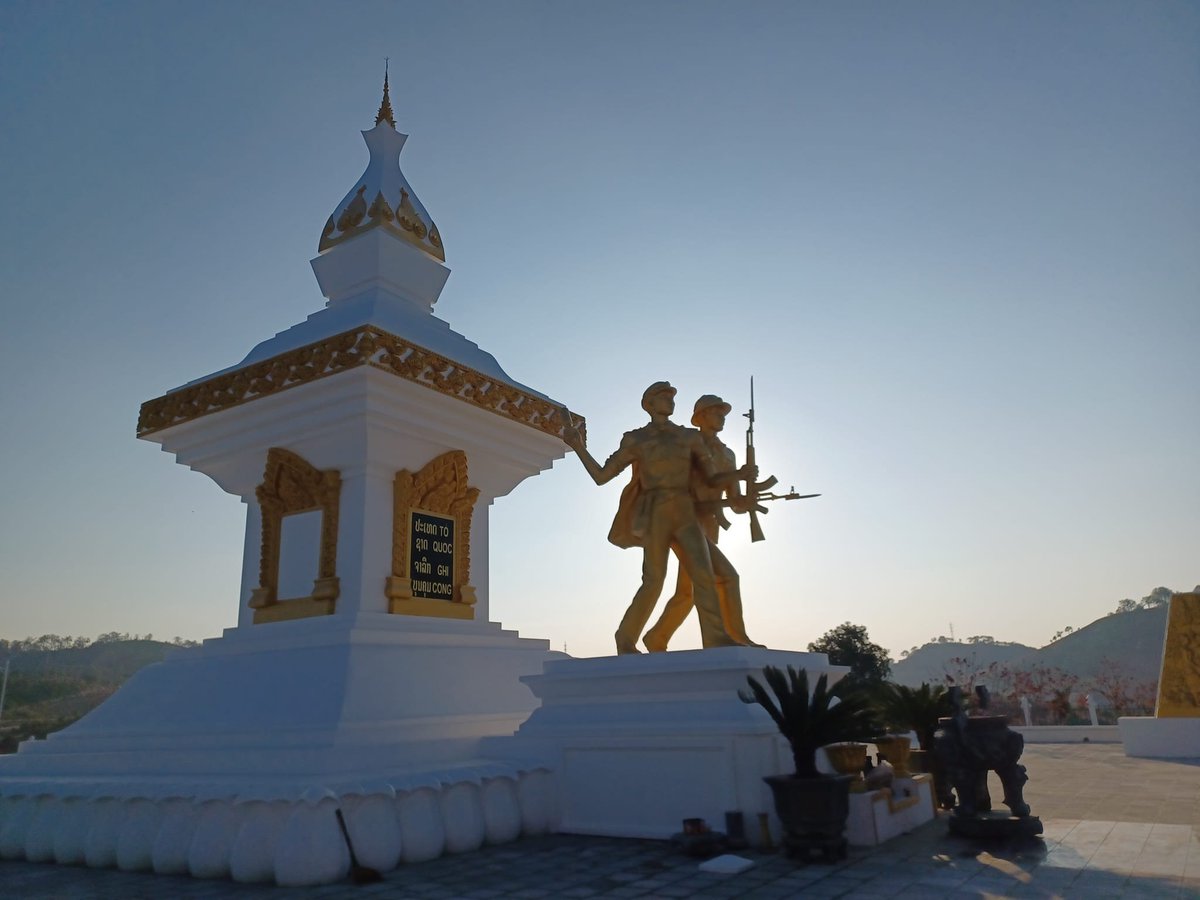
[441, 488]
[292, 485]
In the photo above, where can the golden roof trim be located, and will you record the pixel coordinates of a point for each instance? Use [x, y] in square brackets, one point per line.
[364, 346]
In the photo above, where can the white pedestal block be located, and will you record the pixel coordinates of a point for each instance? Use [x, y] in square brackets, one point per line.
[878, 816]
[1161, 738]
[639, 743]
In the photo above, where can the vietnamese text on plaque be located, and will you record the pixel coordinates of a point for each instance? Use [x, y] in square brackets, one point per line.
[431, 552]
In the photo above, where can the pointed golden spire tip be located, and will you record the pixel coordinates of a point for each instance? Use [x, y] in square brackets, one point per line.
[385, 108]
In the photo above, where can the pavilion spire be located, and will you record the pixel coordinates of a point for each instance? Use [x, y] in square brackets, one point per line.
[382, 197]
[385, 113]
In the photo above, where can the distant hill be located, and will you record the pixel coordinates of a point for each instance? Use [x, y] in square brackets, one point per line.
[928, 663]
[1133, 639]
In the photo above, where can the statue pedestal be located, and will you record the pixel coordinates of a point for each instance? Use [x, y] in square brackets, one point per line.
[995, 825]
[640, 743]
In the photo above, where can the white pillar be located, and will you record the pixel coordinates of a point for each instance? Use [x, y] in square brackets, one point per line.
[478, 576]
[364, 551]
[251, 553]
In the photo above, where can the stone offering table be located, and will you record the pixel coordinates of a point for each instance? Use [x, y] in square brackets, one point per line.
[968, 747]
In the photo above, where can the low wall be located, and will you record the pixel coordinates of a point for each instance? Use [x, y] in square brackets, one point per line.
[1069, 734]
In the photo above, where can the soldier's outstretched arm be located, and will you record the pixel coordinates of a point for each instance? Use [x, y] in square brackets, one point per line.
[600, 474]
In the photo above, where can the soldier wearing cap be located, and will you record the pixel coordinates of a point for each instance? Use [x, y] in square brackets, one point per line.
[657, 511]
[709, 416]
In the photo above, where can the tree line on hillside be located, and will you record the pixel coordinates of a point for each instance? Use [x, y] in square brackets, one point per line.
[52, 642]
[1160, 596]
[985, 639]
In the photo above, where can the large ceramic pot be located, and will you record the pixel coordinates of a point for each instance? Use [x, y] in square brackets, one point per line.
[813, 812]
[849, 758]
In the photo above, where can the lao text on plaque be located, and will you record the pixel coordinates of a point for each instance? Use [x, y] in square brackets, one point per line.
[431, 555]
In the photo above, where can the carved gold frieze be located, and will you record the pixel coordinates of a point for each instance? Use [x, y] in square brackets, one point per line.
[354, 212]
[1179, 684]
[380, 210]
[291, 485]
[368, 346]
[439, 490]
[402, 219]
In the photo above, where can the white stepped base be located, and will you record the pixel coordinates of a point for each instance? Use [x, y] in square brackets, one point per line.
[639, 743]
[285, 841]
[1165, 738]
[227, 760]
[317, 701]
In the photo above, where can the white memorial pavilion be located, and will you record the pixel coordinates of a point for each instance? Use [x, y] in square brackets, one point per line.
[365, 673]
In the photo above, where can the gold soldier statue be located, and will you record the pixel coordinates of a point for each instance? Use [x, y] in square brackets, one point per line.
[709, 416]
[657, 511]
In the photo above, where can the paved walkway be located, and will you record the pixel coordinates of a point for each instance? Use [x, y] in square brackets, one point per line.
[1115, 827]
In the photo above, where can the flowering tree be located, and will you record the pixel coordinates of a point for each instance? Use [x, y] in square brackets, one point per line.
[963, 672]
[1125, 694]
[1144, 697]
[966, 672]
[1047, 686]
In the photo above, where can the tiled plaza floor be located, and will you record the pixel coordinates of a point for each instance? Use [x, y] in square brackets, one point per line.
[1115, 827]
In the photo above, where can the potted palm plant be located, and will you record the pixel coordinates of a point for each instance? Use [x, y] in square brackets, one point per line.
[903, 708]
[812, 807]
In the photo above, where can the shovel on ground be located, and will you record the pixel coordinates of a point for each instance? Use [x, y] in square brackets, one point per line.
[358, 874]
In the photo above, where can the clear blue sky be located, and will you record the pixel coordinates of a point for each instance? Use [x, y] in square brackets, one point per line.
[956, 244]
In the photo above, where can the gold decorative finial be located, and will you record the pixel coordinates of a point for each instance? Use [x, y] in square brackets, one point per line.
[385, 108]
